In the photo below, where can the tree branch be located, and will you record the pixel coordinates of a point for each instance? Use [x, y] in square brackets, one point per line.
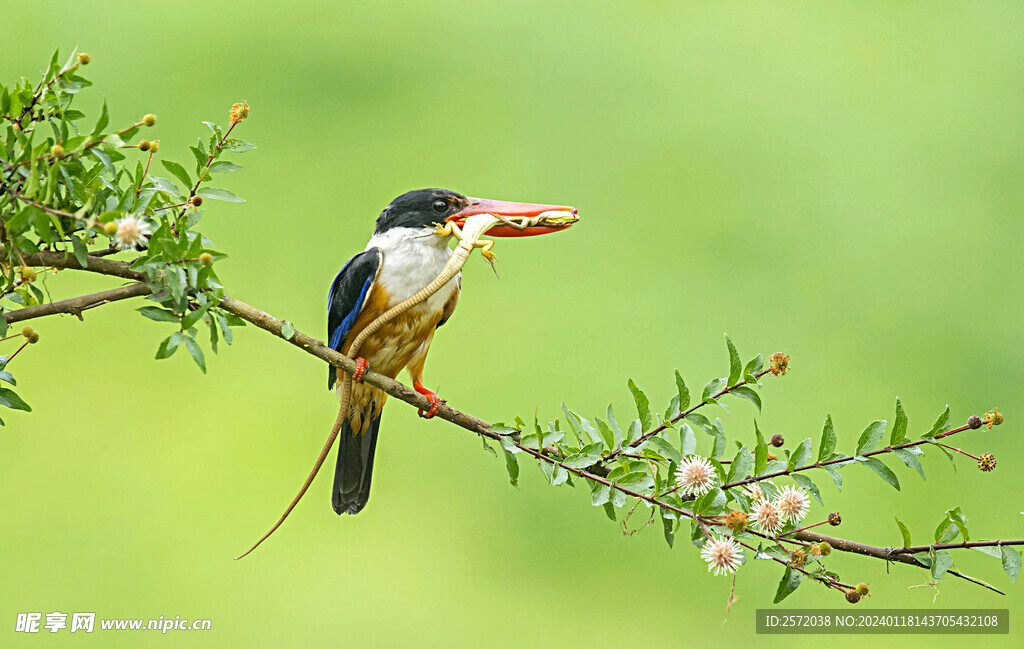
[95, 264]
[75, 305]
[399, 391]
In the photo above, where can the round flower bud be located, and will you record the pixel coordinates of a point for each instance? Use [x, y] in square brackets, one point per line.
[834, 519]
[144, 145]
[33, 339]
[239, 112]
[736, 520]
[196, 201]
[986, 462]
[863, 590]
[27, 274]
[27, 331]
[853, 597]
[777, 440]
[974, 421]
[824, 548]
[154, 145]
[56, 150]
[149, 119]
[110, 229]
[798, 558]
[84, 58]
[206, 259]
[778, 364]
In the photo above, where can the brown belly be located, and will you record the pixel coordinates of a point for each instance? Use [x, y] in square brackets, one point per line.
[390, 348]
[388, 351]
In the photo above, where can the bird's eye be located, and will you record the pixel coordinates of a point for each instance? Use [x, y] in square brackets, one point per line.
[440, 207]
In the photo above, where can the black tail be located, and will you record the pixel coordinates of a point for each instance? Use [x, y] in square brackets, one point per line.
[355, 465]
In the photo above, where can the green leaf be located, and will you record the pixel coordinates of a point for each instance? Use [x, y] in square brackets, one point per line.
[754, 365]
[941, 562]
[196, 352]
[219, 195]
[749, 394]
[241, 146]
[904, 532]
[958, 519]
[701, 421]
[687, 440]
[9, 398]
[80, 251]
[512, 465]
[662, 447]
[158, 314]
[193, 317]
[607, 434]
[836, 477]
[741, 465]
[223, 166]
[945, 532]
[939, 425]
[881, 469]
[609, 511]
[7, 377]
[990, 551]
[589, 432]
[760, 452]
[802, 455]
[684, 393]
[1011, 562]
[713, 387]
[790, 581]
[711, 503]
[600, 494]
[807, 484]
[166, 186]
[643, 406]
[909, 457]
[899, 427]
[586, 457]
[287, 330]
[735, 365]
[102, 122]
[170, 345]
[871, 436]
[178, 171]
[669, 524]
[828, 440]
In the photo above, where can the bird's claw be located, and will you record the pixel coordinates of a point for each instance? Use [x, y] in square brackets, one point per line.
[361, 366]
[435, 401]
[435, 405]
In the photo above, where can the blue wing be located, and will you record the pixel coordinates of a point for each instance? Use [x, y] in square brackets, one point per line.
[348, 293]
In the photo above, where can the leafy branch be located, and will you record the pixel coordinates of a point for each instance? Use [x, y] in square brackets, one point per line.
[70, 199]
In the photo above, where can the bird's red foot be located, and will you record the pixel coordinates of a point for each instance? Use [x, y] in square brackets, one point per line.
[435, 401]
[361, 367]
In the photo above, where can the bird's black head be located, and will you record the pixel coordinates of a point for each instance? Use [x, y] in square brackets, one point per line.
[421, 208]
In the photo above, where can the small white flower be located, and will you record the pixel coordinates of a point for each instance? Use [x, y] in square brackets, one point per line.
[695, 475]
[793, 503]
[767, 517]
[756, 494]
[131, 232]
[723, 555]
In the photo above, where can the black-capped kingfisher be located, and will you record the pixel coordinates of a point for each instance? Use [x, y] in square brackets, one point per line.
[407, 251]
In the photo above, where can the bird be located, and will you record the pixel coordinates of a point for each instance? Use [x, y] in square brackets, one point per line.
[408, 249]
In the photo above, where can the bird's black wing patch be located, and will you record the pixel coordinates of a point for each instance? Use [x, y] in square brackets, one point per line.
[348, 294]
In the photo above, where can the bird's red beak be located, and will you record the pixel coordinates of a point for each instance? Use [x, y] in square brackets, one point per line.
[552, 217]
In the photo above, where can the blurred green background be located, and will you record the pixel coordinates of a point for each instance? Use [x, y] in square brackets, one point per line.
[842, 181]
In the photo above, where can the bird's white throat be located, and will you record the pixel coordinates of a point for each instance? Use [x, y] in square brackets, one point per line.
[413, 257]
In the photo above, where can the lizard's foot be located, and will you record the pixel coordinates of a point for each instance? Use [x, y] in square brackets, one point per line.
[361, 366]
[435, 401]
